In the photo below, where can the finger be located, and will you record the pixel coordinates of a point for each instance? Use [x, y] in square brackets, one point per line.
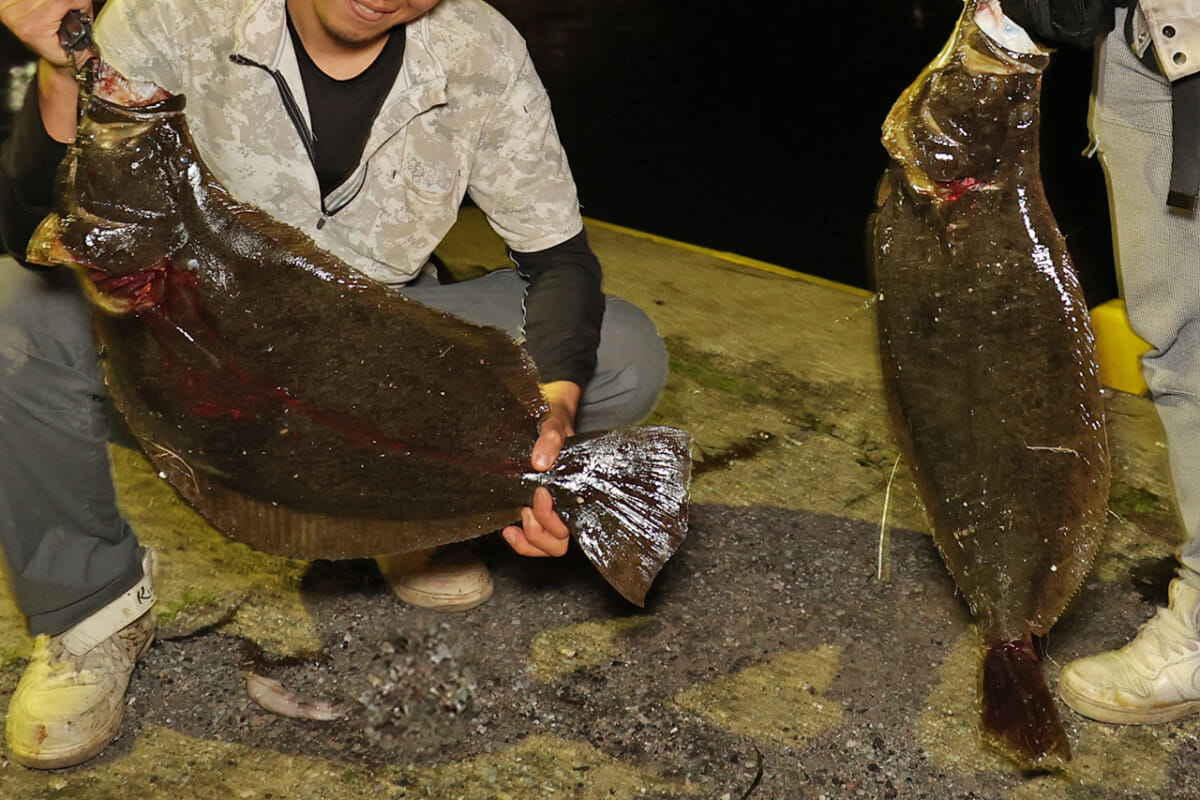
[515, 537]
[544, 542]
[544, 513]
[518, 538]
[547, 447]
[542, 527]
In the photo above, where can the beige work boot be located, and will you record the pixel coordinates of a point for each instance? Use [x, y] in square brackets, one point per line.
[1154, 678]
[69, 703]
[450, 578]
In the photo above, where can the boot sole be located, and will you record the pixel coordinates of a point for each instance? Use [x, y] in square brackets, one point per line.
[1123, 715]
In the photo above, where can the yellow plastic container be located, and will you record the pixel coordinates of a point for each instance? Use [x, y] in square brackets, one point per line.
[1118, 349]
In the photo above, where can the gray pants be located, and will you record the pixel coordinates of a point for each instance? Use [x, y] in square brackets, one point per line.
[1158, 256]
[69, 551]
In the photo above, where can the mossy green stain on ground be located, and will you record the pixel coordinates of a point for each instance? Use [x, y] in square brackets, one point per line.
[780, 702]
[540, 768]
[1127, 501]
[556, 654]
[750, 382]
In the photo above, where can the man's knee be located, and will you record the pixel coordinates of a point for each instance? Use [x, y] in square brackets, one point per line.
[631, 371]
[47, 311]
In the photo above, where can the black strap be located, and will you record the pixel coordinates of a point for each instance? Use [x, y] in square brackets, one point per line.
[1185, 143]
[1185, 128]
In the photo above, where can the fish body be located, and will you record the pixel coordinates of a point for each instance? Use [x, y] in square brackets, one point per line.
[301, 406]
[988, 361]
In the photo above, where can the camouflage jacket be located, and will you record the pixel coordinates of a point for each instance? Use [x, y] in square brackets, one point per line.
[468, 114]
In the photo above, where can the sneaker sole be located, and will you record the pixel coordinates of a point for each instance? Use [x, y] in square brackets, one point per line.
[444, 602]
[1123, 715]
[74, 756]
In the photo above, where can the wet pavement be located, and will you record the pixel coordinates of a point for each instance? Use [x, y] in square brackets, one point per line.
[771, 660]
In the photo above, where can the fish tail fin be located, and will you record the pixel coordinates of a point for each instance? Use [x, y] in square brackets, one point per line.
[1020, 715]
[623, 493]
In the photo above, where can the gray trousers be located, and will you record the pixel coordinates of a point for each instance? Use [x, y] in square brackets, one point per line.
[1158, 257]
[69, 551]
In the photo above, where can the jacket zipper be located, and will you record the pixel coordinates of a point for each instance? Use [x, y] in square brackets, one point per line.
[293, 111]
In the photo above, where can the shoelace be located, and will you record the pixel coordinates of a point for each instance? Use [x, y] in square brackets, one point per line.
[1167, 634]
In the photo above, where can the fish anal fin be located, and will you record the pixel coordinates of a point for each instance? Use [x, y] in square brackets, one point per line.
[1020, 715]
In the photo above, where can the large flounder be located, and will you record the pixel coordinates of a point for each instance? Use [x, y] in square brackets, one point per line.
[303, 408]
[988, 360]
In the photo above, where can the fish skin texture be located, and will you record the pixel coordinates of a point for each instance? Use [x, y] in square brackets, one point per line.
[986, 346]
[304, 408]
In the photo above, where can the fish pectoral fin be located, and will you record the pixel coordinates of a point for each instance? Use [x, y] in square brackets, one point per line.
[46, 247]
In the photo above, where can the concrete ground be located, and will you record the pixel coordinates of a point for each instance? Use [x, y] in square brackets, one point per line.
[771, 661]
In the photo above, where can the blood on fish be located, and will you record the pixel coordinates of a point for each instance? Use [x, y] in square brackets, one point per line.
[954, 189]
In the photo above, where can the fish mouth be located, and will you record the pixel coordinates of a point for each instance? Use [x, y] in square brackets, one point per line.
[1001, 46]
[117, 97]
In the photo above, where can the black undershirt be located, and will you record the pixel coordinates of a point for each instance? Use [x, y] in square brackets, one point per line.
[564, 305]
[342, 111]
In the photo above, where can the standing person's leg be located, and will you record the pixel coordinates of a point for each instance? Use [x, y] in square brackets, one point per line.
[631, 372]
[1153, 678]
[75, 566]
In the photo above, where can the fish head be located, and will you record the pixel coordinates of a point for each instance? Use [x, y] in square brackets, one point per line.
[989, 18]
[972, 114]
[116, 218]
[128, 151]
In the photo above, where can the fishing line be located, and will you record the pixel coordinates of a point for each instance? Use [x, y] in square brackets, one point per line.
[883, 561]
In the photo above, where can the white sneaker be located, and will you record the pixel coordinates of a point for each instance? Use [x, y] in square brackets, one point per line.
[1154, 678]
[450, 578]
[70, 701]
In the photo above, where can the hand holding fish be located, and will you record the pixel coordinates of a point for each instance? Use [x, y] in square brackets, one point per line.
[36, 24]
[542, 532]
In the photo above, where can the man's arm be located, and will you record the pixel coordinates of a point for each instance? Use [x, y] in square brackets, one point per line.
[29, 160]
[36, 23]
[564, 308]
[30, 157]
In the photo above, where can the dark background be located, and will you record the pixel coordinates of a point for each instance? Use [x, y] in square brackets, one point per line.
[754, 127]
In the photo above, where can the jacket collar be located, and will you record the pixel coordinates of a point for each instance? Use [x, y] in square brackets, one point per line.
[261, 36]
[261, 32]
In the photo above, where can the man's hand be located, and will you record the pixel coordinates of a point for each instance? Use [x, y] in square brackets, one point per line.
[36, 23]
[542, 532]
